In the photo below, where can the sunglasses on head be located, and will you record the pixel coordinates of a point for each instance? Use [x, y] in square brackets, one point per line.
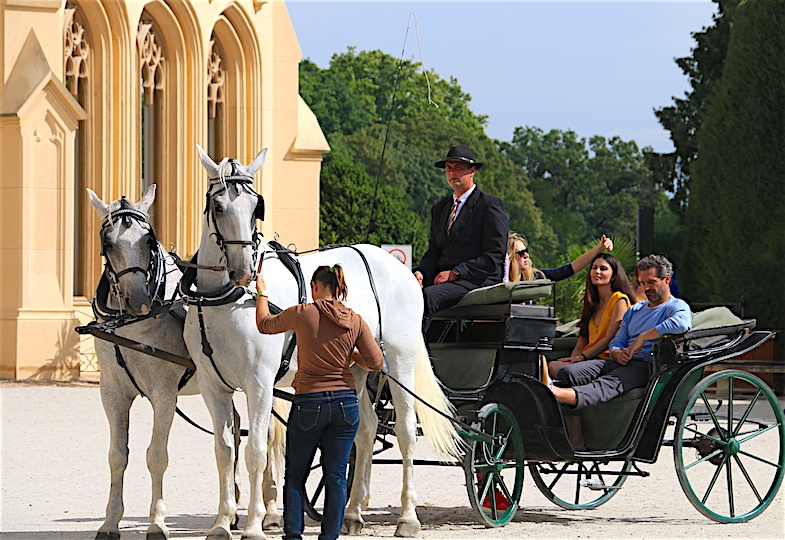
[522, 251]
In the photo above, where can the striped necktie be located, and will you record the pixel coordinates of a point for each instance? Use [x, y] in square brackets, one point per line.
[452, 215]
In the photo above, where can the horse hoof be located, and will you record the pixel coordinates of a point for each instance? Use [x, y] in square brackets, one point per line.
[272, 523]
[219, 533]
[408, 529]
[107, 536]
[156, 532]
[353, 527]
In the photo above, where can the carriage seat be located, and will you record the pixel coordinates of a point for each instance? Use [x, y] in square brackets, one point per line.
[605, 425]
[510, 293]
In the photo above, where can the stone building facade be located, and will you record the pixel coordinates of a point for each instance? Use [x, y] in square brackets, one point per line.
[115, 95]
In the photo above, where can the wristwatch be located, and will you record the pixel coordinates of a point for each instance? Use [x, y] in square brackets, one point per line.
[263, 292]
[456, 272]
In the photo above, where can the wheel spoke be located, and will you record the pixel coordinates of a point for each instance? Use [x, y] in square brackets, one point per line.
[703, 435]
[766, 461]
[713, 480]
[713, 416]
[578, 476]
[743, 419]
[701, 460]
[503, 486]
[759, 432]
[743, 470]
[730, 405]
[729, 479]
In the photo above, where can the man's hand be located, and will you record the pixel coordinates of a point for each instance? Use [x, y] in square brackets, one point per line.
[419, 277]
[622, 356]
[444, 276]
[637, 345]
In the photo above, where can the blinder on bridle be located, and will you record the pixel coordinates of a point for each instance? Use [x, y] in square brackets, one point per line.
[154, 272]
[239, 182]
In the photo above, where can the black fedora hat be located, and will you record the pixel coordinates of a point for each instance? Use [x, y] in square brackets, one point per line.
[459, 153]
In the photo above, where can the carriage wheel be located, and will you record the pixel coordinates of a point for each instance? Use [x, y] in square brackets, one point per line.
[314, 486]
[494, 469]
[729, 454]
[579, 485]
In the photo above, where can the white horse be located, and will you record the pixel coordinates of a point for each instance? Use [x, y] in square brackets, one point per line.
[136, 273]
[243, 357]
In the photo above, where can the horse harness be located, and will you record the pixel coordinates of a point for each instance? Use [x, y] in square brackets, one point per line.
[238, 182]
[229, 294]
[155, 277]
[155, 274]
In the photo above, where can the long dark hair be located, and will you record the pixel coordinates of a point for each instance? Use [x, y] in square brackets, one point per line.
[332, 277]
[591, 296]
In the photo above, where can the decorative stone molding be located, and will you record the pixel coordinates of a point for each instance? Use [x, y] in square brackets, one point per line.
[215, 80]
[76, 52]
[151, 60]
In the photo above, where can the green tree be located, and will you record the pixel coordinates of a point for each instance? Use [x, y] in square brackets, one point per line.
[736, 213]
[347, 194]
[683, 119]
[584, 188]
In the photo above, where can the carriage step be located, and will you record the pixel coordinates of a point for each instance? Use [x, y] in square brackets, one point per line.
[597, 485]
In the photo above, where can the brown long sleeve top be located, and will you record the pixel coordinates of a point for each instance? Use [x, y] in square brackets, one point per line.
[327, 333]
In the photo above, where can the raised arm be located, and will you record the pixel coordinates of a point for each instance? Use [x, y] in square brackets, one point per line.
[583, 260]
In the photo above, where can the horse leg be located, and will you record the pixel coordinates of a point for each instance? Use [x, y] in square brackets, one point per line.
[363, 442]
[236, 432]
[406, 433]
[276, 437]
[259, 411]
[219, 403]
[117, 409]
[158, 461]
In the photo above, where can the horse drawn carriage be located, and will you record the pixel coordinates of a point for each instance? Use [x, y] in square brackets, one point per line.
[726, 429]
[476, 388]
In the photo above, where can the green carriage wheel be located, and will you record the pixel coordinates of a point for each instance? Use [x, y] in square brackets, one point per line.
[729, 453]
[494, 468]
[579, 485]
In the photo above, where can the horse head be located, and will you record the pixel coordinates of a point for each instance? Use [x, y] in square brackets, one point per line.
[232, 207]
[129, 246]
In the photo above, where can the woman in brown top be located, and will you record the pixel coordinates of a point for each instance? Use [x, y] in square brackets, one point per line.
[325, 412]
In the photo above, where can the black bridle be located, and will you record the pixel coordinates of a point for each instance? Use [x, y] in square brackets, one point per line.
[155, 274]
[240, 183]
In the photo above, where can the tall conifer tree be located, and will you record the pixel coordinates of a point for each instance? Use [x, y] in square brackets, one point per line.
[736, 215]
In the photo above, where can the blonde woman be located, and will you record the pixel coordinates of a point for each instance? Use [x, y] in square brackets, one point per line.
[518, 265]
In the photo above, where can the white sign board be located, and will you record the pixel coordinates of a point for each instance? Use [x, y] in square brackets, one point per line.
[402, 252]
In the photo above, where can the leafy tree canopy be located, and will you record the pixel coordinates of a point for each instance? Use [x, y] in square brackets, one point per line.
[684, 117]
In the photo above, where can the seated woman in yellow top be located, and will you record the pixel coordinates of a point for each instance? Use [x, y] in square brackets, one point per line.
[608, 295]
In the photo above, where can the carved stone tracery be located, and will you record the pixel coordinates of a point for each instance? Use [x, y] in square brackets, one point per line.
[151, 61]
[215, 80]
[76, 52]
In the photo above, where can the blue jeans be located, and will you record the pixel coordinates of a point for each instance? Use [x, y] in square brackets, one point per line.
[329, 421]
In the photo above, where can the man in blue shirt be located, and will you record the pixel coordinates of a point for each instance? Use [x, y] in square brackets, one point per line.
[595, 381]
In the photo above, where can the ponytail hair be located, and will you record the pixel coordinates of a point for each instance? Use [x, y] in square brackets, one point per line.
[333, 278]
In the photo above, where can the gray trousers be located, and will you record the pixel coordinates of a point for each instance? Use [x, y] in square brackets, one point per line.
[598, 381]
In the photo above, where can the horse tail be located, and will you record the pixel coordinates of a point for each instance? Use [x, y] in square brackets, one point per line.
[276, 448]
[439, 431]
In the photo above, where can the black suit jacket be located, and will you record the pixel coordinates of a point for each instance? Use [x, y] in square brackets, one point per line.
[477, 241]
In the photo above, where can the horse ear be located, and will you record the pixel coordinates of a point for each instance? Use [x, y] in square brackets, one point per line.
[100, 206]
[207, 161]
[147, 199]
[257, 163]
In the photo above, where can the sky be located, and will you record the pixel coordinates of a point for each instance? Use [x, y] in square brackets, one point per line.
[596, 68]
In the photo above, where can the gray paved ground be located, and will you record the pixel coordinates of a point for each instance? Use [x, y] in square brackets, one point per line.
[55, 478]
